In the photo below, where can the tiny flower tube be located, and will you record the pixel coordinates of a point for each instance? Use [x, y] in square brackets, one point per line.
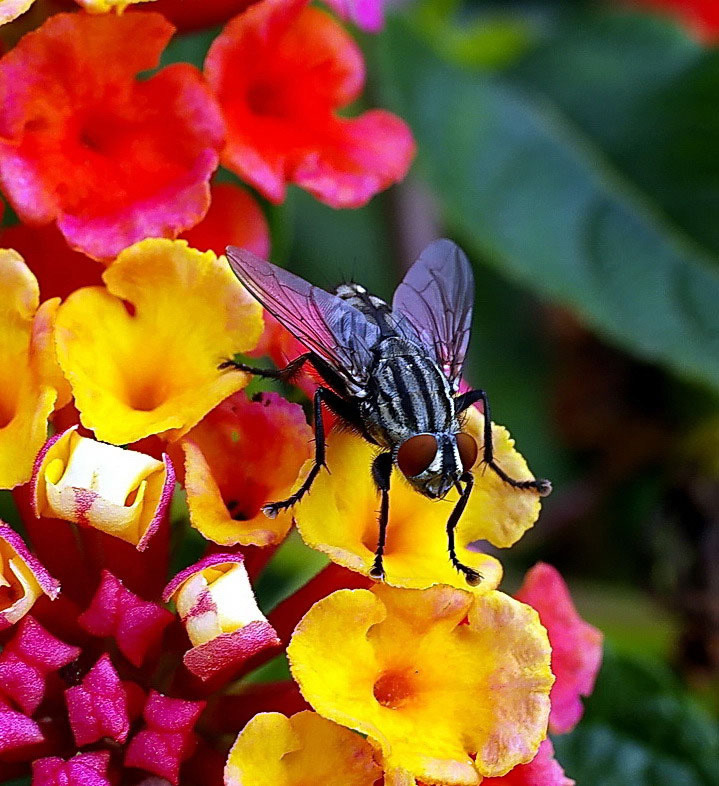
[26, 662]
[576, 645]
[218, 609]
[471, 702]
[84, 769]
[243, 454]
[97, 708]
[273, 750]
[166, 318]
[22, 578]
[110, 158]
[339, 517]
[281, 70]
[31, 384]
[135, 624]
[167, 739]
[120, 492]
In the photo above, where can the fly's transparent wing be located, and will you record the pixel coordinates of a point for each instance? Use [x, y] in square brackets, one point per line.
[326, 325]
[436, 297]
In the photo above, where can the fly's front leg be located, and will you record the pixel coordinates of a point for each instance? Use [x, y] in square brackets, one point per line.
[273, 508]
[542, 486]
[472, 577]
[289, 371]
[381, 473]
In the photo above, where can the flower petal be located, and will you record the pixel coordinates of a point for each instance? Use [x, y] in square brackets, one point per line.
[218, 609]
[432, 675]
[242, 455]
[22, 578]
[120, 492]
[576, 645]
[305, 748]
[30, 382]
[111, 158]
[11, 9]
[155, 371]
[339, 517]
[84, 769]
[543, 770]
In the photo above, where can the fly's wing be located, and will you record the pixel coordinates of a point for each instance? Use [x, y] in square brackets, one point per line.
[326, 325]
[436, 298]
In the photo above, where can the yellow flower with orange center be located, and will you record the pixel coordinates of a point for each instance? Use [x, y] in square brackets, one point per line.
[339, 515]
[273, 750]
[123, 493]
[142, 353]
[434, 676]
[31, 384]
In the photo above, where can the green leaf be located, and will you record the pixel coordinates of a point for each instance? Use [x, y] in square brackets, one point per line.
[540, 198]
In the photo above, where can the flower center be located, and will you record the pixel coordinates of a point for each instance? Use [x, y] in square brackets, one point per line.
[394, 689]
[147, 396]
[266, 98]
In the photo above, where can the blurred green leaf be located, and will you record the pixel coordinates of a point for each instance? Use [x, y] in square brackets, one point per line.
[539, 198]
[640, 727]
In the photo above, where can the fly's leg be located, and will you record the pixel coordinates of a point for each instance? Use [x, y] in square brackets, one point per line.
[472, 577]
[381, 472]
[289, 371]
[542, 486]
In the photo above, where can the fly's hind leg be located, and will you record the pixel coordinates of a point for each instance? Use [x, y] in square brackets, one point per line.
[542, 486]
[381, 473]
[290, 370]
[472, 577]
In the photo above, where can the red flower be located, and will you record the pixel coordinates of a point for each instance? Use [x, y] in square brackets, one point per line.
[234, 219]
[84, 143]
[280, 70]
[700, 15]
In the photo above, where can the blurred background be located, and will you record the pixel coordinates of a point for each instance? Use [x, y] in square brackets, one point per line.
[572, 149]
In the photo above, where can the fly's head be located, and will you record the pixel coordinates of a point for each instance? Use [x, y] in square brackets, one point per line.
[433, 463]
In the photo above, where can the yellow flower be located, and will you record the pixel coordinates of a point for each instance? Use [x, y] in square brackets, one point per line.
[31, 384]
[11, 9]
[120, 492]
[142, 353]
[273, 750]
[431, 675]
[339, 515]
[105, 6]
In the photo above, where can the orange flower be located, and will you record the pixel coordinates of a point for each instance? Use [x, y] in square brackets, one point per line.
[31, 384]
[110, 158]
[241, 456]
[339, 515]
[280, 71]
[142, 353]
[433, 676]
[273, 750]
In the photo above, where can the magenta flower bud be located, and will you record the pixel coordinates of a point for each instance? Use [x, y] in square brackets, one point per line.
[17, 731]
[168, 738]
[97, 707]
[27, 660]
[136, 625]
[85, 769]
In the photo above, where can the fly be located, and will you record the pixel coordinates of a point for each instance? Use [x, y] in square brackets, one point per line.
[390, 372]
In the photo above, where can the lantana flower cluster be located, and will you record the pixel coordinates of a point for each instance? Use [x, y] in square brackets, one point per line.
[130, 654]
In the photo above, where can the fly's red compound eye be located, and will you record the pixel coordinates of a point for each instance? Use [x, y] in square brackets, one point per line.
[467, 448]
[416, 454]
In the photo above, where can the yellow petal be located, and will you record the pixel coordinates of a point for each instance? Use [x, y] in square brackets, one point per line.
[432, 675]
[273, 750]
[29, 375]
[142, 353]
